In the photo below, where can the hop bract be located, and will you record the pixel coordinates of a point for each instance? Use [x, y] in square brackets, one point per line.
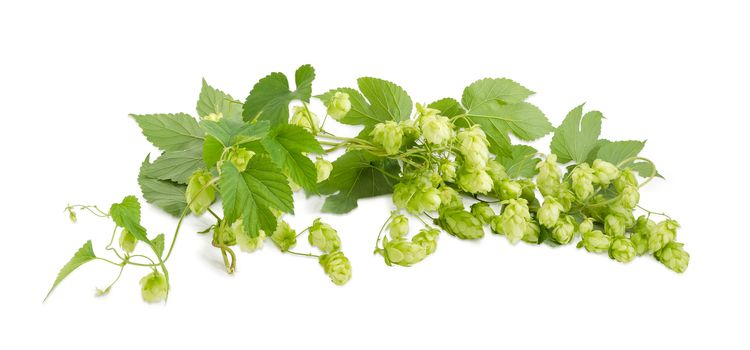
[240, 157]
[674, 257]
[127, 241]
[388, 135]
[154, 287]
[337, 266]
[323, 168]
[198, 195]
[247, 244]
[324, 237]
[339, 105]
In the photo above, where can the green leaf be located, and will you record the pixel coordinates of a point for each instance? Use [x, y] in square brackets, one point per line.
[386, 99]
[250, 194]
[360, 112]
[127, 214]
[496, 105]
[616, 152]
[286, 145]
[521, 163]
[170, 132]
[230, 131]
[158, 243]
[82, 256]
[176, 166]
[212, 150]
[490, 90]
[577, 136]
[216, 101]
[448, 107]
[270, 97]
[167, 195]
[355, 175]
[644, 169]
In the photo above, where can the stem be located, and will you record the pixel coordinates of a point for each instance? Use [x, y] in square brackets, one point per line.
[184, 213]
[214, 214]
[303, 254]
[301, 232]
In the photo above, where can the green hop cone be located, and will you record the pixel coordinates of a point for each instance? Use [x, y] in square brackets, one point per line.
[436, 129]
[460, 223]
[72, 215]
[622, 249]
[324, 237]
[531, 235]
[127, 241]
[626, 179]
[398, 227]
[306, 119]
[214, 117]
[339, 105]
[154, 287]
[473, 145]
[582, 178]
[629, 197]
[510, 189]
[224, 234]
[586, 225]
[483, 212]
[549, 176]
[564, 230]
[389, 135]
[323, 168]
[474, 181]
[665, 232]
[549, 213]
[337, 266]
[239, 157]
[449, 197]
[614, 225]
[247, 244]
[642, 230]
[604, 172]
[496, 171]
[447, 171]
[515, 219]
[417, 194]
[403, 252]
[595, 241]
[427, 238]
[284, 237]
[674, 257]
[199, 200]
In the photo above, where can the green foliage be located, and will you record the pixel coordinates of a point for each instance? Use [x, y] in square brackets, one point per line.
[167, 195]
[216, 101]
[357, 175]
[287, 146]
[82, 256]
[577, 136]
[170, 132]
[269, 100]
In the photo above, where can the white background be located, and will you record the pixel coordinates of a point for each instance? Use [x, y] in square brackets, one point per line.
[673, 73]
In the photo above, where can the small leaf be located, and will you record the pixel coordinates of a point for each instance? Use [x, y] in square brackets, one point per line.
[448, 107]
[618, 151]
[170, 132]
[360, 112]
[168, 195]
[229, 131]
[355, 175]
[127, 214]
[270, 97]
[577, 136]
[82, 256]
[212, 150]
[216, 101]
[158, 244]
[176, 166]
[286, 145]
[490, 90]
[386, 98]
[521, 163]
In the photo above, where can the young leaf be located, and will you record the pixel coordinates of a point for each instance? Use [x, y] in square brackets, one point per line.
[212, 150]
[577, 136]
[216, 101]
[617, 151]
[286, 145]
[360, 112]
[171, 132]
[355, 175]
[270, 97]
[448, 107]
[250, 194]
[386, 98]
[232, 130]
[176, 166]
[167, 195]
[496, 105]
[158, 243]
[521, 163]
[127, 214]
[82, 256]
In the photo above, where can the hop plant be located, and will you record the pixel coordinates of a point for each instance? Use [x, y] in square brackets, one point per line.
[642, 230]
[626, 179]
[583, 181]
[622, 250]
[514, 221]
[306, 119]
[284, 236]
[531, 235]
[604, 172]
[595, 241]
[127, 241]
[549, 213]
[389, 135]
[665, 232]
[436, 129]
[339, 105]
[337, 266]
[586, 225]
[510, 189]
[324, 237]
[239, 157]
[460, 223]
[549, 176]
[497, 172]
[198, 194]
[248, 244]
[564, 230]
[673, 256]
[474, 181]
[417, 194]
[154, 287]
[483, 212]
[403, 252]
[427, 238]
[448, 171]
[472, 143]
[399, 227]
